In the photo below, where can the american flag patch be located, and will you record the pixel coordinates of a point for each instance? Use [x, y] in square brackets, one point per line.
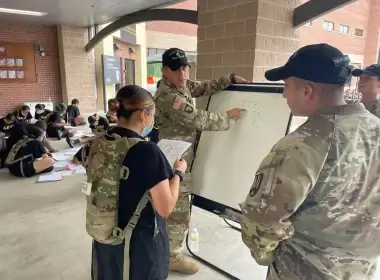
[177, 103]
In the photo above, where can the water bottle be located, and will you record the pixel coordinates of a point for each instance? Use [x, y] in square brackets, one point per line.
[194, 235]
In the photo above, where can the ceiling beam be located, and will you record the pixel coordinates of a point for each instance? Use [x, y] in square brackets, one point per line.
[316, 8]
[180, 15]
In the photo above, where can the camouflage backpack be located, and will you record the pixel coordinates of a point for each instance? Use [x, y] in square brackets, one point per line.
[11, 158]
[103, 160]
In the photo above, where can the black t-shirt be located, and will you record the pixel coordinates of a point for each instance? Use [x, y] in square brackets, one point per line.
[102, 125]
[55, 117]
[21, 117]
[148, 166]
[5, 127]
[72, 112]
[34, 148]
[43, 115]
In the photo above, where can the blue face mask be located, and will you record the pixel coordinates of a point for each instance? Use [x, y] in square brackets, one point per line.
[147, 130]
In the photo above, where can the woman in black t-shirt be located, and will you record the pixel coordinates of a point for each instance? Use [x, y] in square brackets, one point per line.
[150, 171]
[6, 124]
[41, 113]
[31, 158]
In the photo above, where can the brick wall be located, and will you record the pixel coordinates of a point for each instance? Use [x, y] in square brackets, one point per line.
[48, 85]
[354, 15]
[176, 27]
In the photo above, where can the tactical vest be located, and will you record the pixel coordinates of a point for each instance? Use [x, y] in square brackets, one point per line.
[103, 160]
[11, 158]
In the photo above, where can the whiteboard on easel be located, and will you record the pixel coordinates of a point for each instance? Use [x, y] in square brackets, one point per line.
[226, 161]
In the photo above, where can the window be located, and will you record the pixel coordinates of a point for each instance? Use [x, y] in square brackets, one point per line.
[328, 25]
[307, 24]
[344, 29]
[359, 32]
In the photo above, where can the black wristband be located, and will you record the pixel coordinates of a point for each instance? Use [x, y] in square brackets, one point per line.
[232, 78]
[179, 174]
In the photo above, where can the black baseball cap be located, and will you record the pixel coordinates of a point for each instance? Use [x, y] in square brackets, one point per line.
[372, 70]
[174, 58]
[319, 63]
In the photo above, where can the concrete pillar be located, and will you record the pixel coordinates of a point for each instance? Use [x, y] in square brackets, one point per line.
[245, 37]
[141, 65]
[77, 67]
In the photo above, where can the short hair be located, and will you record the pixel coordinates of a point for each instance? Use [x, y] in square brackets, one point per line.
[34, 131]
[132, 98]
[41, 124]
[10, 117]
[61, 107]
[320, 88]
[39, 106]
[74, 101]
[25, 107]
[92, 119]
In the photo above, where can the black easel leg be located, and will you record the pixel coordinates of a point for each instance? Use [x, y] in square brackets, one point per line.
[205, 262]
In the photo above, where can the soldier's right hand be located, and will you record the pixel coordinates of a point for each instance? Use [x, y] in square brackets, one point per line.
[180, 164]
[235, 113]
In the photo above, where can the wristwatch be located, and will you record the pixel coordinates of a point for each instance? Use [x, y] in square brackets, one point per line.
[180, 174]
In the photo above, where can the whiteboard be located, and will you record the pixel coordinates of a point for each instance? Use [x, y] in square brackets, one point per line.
[226, 161]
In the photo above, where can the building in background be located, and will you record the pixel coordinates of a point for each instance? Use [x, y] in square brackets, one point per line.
[354, 29]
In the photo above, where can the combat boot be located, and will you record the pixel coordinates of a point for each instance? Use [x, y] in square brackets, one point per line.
[180, 263]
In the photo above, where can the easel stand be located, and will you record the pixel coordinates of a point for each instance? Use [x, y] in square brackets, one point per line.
[204, 261]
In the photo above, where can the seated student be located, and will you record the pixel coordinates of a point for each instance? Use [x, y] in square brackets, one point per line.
[41, 113]
[150, 174]
[74, 117]
[43, 126]
[98, 123]
[6, 124]
[55, 124]
[28, 156]
[23, 114]
[112, 109]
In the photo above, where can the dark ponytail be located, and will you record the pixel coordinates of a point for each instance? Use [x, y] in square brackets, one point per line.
[133, 98]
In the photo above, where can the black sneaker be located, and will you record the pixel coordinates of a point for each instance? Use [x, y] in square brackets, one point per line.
[68, 140]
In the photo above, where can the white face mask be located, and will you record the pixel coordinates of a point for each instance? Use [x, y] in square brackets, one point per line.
[39, 111]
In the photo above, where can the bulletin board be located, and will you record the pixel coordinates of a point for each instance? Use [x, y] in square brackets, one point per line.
[17, 63]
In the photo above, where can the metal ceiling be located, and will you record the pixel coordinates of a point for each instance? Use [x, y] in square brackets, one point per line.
[78, 13]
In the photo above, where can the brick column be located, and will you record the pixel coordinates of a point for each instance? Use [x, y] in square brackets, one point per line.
[77, 68]
[246, 37]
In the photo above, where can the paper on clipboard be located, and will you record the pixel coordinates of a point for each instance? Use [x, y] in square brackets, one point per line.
[173, 149]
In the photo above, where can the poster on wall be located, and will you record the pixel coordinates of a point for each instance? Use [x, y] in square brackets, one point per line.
[20, 74]
[3, 62]
[10, 62]
[11, 74]
[3, 74]
[2, 50]
[19, 62]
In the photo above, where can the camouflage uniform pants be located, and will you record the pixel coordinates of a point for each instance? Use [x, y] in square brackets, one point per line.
[178, 221]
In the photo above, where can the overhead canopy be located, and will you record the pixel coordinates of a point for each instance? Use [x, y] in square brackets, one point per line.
[76, 13]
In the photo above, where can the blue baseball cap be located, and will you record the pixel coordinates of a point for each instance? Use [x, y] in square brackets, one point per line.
[319, 63]
[372, 70]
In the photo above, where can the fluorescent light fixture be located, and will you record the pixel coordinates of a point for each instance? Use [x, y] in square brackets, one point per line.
[22, 12]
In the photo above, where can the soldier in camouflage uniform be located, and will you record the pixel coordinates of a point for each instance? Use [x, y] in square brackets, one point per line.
[178, 118]
[369, 86]
[313, 210]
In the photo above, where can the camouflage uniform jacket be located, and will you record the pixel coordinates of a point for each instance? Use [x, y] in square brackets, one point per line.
[178, 118]
[313, 212]
[373, 107]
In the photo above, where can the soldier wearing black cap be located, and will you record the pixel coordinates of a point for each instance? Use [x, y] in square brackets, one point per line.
[312, 211]
[369, 87]
[178, 118]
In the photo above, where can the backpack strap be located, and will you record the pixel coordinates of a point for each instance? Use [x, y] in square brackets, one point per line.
[126, 234]
[10, 159]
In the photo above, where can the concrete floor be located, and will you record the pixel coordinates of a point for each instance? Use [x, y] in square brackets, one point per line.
[43, 234]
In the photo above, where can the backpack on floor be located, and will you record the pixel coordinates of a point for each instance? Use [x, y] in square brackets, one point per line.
[11, 157]
[103, 159]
